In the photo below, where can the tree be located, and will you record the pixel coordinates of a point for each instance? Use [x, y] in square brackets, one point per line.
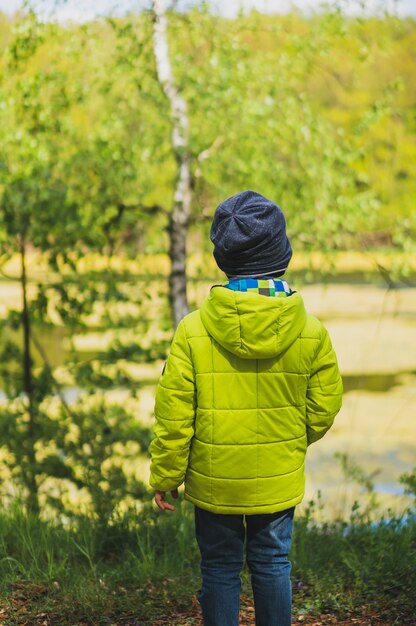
[26, 216]
[47, 206]
[180, 214]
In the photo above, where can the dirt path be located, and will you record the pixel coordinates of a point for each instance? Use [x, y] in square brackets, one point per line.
[19, 610]
[192, 616]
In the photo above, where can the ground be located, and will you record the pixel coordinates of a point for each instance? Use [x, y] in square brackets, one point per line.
[23, 607]
[247, 618]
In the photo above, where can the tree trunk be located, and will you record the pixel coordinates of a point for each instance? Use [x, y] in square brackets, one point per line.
[30, 474]
[179, 218]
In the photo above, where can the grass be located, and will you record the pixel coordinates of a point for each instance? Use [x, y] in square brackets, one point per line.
[89, 572]
[339, 566]
[141, 568]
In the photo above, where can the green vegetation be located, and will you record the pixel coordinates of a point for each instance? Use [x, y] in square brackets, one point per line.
[140, 568]
[317, 113]
[311, 113]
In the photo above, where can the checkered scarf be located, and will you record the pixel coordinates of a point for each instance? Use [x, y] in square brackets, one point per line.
[266, 287]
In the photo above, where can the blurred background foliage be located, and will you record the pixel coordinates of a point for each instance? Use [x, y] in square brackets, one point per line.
[316, 112]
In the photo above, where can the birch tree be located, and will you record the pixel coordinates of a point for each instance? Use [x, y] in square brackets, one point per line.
[179, 217]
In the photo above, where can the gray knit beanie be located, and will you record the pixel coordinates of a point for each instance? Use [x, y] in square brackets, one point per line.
[249, 236]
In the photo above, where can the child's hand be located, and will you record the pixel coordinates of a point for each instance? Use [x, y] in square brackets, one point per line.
[160, 500]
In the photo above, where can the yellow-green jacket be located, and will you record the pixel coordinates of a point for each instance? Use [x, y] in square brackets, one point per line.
[250, 382]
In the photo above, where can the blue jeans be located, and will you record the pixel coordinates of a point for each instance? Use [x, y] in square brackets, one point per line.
[221, 543]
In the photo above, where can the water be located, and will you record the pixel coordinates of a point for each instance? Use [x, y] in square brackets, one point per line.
[373, 333]
[374, 382]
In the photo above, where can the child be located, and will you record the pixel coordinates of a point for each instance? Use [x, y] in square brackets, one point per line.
[250, 382]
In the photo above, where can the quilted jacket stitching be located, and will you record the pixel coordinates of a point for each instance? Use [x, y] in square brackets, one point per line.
[192, 331]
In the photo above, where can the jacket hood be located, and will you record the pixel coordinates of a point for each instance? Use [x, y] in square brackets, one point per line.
[250, 325]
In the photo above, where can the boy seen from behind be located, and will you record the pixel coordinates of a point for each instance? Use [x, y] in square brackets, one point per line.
[251, 381]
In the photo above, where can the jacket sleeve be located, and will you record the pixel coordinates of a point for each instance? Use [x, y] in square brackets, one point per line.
[324, 392]
[175, 416]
